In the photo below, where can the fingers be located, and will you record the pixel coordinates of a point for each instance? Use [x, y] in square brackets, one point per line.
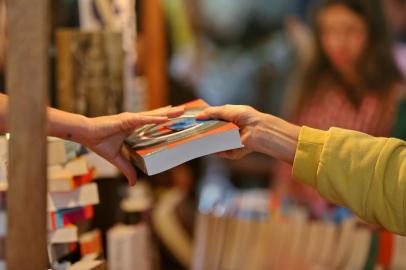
[234, 154]
[224, 112]
[126, 168]
[169, 111]
[129, 121]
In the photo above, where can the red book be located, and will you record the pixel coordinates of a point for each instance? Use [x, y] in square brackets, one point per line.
[63, 218]
[385, 248]
[90, 243]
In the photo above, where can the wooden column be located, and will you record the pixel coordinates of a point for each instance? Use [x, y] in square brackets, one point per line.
[27, 85]
[153, 31]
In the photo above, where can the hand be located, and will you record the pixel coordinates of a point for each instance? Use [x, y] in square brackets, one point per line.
[246, 118]
[105, 135]
[260, 132]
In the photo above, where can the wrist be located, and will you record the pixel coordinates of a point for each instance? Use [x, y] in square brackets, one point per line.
[68, 126]
[83, 131]
[275, 137]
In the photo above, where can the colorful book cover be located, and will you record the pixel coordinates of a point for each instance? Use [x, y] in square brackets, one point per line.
[90, 243]
[155, 148]
[61, 218]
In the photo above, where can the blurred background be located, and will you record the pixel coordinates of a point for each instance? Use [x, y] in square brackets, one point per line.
[319, 63]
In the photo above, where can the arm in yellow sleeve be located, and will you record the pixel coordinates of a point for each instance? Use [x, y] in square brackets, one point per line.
[358, 171]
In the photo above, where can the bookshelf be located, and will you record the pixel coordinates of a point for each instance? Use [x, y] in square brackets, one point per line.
[27, 81]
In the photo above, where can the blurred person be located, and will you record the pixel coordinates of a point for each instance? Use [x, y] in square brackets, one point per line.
[396, 13]
[351, 82]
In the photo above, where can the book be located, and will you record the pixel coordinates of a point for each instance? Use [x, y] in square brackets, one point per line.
[82, 196]
[66, 234]
[61, 151]
[64, 217]
[76, 167]
[399, 251]
[60, 252]
[386, 240]
[372, 255]
[88, 265]
[2, 247]
[3, 223]
[90, 243]
[63, 180]
[128, 247]
[157, 148]
[360, 247]
[89, 71]
[201, 239]
[344, 243]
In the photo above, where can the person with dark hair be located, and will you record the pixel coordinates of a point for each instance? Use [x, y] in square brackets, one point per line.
[351, 82]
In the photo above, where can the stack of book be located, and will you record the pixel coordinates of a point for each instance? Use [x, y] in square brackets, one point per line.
[71, 196]
[228, 240]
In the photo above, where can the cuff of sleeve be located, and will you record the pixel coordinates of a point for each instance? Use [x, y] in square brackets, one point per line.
[308, 152]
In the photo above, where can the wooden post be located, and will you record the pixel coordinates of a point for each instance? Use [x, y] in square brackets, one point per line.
[27, 84]
[153, 30]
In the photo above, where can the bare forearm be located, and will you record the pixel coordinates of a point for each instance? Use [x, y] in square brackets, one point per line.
[276, 137]
[67, 126]
[60, 124]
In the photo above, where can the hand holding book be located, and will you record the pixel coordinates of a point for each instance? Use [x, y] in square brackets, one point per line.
[260, 132]
[103, 135]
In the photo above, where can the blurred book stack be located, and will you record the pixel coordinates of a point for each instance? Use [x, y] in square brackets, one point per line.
[240, 237]
[71, 196]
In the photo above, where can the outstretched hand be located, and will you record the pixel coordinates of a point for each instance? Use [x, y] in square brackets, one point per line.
[259, 132]
[107, 133]
[245, 117]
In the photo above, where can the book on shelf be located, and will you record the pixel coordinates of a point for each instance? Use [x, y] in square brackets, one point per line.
[361, 243]
[61, 151]
[385, 248]
[94, 88]
[88, 265]
[82, 196]
[64, 217]
[398, 260]
[62, 252]
[2, 248]
[62, 180]
[91, 243]
[156, 148]
[128, 246]
[227, 241]
[71, 197]
[67, 234]
[75, 167]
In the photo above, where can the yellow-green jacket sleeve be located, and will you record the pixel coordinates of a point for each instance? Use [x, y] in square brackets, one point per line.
[361, 172]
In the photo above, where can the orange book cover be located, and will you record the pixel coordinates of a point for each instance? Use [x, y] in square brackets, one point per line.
[155, 148]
